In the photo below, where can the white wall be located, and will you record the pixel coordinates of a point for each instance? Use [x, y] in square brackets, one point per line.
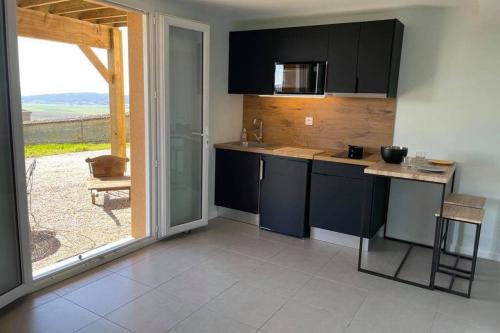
[225, 110]
[447, 106]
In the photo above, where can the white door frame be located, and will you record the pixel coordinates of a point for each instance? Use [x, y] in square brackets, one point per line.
[19, 164]
[28, 284]
[163, 109]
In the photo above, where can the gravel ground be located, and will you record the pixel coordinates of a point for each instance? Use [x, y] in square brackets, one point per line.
[64, 221]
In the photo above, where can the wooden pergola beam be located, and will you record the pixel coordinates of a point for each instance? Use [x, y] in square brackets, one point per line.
[34, 24]
[92, 57]
[117, 95]
[75, 6]
[98, 14]
[118, 19]
[37, 3]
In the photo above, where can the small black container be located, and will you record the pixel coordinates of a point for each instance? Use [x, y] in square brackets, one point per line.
[355, 152]
[393, 154]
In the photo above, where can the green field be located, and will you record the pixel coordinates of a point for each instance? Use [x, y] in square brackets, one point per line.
[61, 148]
[51, 111]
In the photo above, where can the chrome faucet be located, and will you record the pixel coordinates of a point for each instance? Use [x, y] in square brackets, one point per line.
[257, 123]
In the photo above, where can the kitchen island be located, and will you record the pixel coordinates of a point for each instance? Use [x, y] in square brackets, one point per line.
[387, 256]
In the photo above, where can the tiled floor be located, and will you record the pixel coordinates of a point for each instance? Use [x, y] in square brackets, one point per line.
[232, 277]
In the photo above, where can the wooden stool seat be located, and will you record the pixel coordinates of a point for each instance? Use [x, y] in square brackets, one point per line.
[462, 214]
[465, 200]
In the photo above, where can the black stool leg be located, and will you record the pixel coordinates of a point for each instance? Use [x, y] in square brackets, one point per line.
[446, 234]
[474, 258]
[437, 249]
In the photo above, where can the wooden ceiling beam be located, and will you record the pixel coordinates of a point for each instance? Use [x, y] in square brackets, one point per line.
[117, 19]
[35, 24]
[37, 3]
[76, 6]
[98, 14]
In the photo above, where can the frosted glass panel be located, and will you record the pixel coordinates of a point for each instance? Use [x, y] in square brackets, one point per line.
[186, 122]
[10, 261]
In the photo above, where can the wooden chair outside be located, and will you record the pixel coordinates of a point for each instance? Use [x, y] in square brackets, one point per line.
[107, 174]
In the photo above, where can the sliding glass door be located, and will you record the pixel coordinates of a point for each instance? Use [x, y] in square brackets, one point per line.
[183, 106]
[11, 269]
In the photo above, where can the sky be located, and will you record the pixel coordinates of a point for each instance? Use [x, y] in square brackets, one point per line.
[51, 67]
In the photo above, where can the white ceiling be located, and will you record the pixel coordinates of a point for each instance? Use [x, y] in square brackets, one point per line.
[253, 9]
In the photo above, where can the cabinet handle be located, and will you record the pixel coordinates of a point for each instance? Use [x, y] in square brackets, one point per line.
[357, 84]
[261, 170]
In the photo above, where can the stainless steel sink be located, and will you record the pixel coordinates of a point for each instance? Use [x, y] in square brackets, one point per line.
[254, 144]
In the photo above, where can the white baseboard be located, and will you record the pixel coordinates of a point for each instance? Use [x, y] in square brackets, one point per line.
[338, 238]
[238, 215]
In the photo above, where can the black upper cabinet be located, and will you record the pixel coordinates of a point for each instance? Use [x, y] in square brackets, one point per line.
[251, 64]
[342, 58]
[379, 55]
[300, 44]
[362, 57]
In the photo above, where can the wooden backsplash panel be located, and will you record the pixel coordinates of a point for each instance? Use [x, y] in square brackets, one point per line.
[338, 121]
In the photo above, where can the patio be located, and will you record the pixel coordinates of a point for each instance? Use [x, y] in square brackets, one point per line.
[63, 220]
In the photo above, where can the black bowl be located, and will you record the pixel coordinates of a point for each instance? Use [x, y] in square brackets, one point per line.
[393, 154]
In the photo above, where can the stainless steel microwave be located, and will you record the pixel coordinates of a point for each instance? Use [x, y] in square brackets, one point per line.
[301, 78]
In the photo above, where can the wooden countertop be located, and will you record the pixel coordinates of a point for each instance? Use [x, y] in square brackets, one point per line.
[320, 154]
[397, 171]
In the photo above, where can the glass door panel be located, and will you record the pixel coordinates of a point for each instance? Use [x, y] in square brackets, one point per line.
[183, 105]
[186, 124]
[10, 254]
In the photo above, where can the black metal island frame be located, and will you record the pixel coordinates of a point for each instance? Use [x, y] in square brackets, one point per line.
[445, 180]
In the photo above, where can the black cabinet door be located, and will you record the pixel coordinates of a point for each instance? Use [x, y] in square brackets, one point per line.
[300, 44]
[237, 180]
[374, 56]
[336, 203]
[342, 58]
[342, 197]
[284, 196]
[251, 64]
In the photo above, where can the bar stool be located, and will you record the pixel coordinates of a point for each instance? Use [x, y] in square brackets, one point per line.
[460, 214]
[461, 200]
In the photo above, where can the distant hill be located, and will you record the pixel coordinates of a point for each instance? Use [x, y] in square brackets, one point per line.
[84, 98]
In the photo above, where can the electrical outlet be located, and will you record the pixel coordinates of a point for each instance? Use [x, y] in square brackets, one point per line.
[309, 121]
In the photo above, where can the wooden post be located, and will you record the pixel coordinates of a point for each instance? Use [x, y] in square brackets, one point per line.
[137, 126]
[117, 95]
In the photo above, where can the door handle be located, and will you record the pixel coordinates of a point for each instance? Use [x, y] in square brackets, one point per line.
[199, 134]
[261, 170]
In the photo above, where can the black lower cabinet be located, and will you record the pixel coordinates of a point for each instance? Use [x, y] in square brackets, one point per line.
[237, 180]
[341, 196]
[284, 196]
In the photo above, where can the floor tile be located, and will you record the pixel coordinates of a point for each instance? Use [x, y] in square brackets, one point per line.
[199, 285]
[29, 302]
[332, 296]
[103, 326]
[344, 268]
[156, 270]
[107, 294]
[483, 312]
[385, 313]
[65, 287]
[297, 318]
[233, 263]
[153, 312]
[277, 279]
[56, 316]
[253, 247]
[247, 304]
[206, 321]
[446, 324]
[300, 259]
